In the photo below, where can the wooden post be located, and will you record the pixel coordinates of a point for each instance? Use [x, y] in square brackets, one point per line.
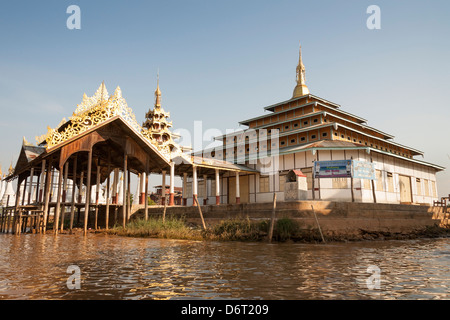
[64, 194]
[238, 192]
[272, 219]
[317, 221]
[88, 191]
[42, 186]
[48, 176]
[185, 189]
[124, 206]
[80, 196]
[97, 192]
[373, 186]
[74, 179]
[205, 189]
[194, 185]
[129, 195]
[58, 201]
[164, 212]
[147, 172]
[107, 190]
[163, 187]
[201, 214]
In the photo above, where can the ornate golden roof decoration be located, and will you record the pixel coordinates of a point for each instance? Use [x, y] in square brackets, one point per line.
[300, 89]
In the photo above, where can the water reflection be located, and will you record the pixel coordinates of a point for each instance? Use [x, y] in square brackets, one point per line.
[35, 267]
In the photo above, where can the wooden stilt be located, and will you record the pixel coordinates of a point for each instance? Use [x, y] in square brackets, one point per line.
[48, 176]
[146, 189]
[30, 188]
[64, 194]
[58, 201]
[97, 194]
[124, 204]
[88, 191]
[128, 195]
[80, 197]
[74, 179]
[107, 191]
[272, 219]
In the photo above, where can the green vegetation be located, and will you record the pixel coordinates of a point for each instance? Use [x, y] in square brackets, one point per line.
[156, 228]
[227, 230]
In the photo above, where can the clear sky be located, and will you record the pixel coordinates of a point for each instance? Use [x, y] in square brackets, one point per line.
[224, 61]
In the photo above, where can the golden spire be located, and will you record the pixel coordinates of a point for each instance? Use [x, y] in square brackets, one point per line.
[11, 169]
[0, 171]
[300, 89]
[157, 94]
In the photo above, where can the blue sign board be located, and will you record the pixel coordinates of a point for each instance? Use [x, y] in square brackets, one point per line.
[344, 169]
[333, 169]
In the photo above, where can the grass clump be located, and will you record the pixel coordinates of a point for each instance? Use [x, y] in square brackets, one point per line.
[172, 228]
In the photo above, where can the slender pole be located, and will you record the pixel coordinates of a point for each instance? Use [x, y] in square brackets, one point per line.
[74, 178]
[317, 221]
[64, 194]
[42, 186]
[30, 188]
[48, 176]
[124, 206]
[205, 189]
[80, 196]
[88, 191]
[272, 219]
[184, 188]
[373, 187]
[163, 187]
[97, 192]
[200, 212]
[58, 201]
[172, 185]
[146, 189]
[129, 196]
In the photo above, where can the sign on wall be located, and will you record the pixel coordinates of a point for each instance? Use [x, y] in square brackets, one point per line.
[333, 169]
[363, 170]
[344, 169]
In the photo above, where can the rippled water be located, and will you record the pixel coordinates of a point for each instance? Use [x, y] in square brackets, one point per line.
[35, 267]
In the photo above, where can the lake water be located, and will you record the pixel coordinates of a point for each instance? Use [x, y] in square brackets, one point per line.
[112, 267]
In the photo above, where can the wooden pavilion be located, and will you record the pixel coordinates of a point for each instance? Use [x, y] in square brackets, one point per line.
[100, 140]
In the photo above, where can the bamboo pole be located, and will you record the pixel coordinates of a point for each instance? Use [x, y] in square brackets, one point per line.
[74, 179]
[88, 191]
[272, 219]
[107, 190]
[124, 202]
[201, 214]
[318, 225]
[48, 176]
[97, 192]
[146, 189]
[58, 200]
[64, 194]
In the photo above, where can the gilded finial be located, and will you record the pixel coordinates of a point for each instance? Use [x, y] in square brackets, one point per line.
[157, 93]
[300, 89]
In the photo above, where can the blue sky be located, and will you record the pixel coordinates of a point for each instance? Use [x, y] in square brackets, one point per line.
[224, 61]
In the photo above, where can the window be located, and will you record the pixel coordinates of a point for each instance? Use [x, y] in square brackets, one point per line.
[315, 120]
[302, 139]
[282, 180]
[324, 134]
[292, 140]
[348, 138]
[295, 125]
[390, 182]
[418, 187]
[286, 127]
[188, 189]
[201, 189]
[282, 143]
[324, 120]
[213, 187]
[335, 134]
[305, 123]
[313, 136]
[342, 136]
[263, 184]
